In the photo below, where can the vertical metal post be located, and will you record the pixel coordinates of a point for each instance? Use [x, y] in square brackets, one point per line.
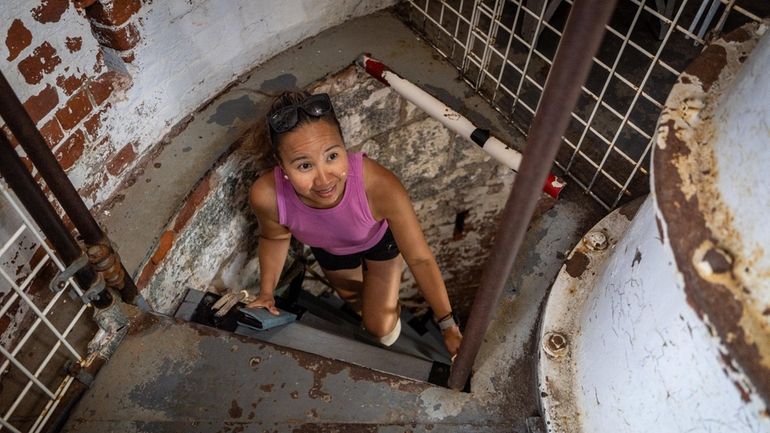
[582, 36]
[24, 129]
[21, 182]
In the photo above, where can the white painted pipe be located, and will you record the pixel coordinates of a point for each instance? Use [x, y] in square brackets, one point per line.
[453, 120]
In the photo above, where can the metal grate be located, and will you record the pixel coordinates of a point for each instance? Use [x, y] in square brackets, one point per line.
[504, 50]
[36, 341]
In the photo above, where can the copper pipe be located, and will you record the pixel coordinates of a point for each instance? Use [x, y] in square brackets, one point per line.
[26, 189]
[25, 131]
[580, 41]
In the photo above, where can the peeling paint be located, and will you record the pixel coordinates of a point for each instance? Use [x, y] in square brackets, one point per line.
[701, 219]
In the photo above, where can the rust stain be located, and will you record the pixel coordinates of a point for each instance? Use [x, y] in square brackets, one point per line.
[401, 384]
[708, 65]
[235, 410]
[294, 395]
[143, 323]
[336, 428]
[192, 203]
[50, 11]
[659, 224]
[693, 210]
[74, 44]
[630, 209]
[268, 387]
[18, 38]
[742, 391]
[577, 264]
[740, 34]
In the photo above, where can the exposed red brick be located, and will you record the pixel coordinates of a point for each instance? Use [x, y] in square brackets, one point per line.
[71, 150]
[82, 4]
[145, 275]
[42, 61]
[99, 64]
[165, 243]
[102, 86]
[88, 191]
[70, 84]
[192, 202]
[39, 105]
[92, 124]
[50, 11]
[52, 132]
[121, 159]
[75, 110]
[121, 39]
[74, 44]
[18, 38]
[114, 13]
[128, 56]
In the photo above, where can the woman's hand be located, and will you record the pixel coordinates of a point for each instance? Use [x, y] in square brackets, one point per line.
[266, 301]
[452, 339]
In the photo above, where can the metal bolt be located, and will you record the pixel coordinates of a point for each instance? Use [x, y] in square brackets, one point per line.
[714, 261]
[596, 240]
[555, 344]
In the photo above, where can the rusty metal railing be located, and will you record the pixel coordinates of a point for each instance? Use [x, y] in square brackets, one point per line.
[582, 36]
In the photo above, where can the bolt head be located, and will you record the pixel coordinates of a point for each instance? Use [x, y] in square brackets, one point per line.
[596, 240]
[555, 344]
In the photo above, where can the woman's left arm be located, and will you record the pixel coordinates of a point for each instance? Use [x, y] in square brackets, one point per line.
[389, 200]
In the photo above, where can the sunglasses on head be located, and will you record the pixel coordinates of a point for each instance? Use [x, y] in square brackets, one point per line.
[286, 118]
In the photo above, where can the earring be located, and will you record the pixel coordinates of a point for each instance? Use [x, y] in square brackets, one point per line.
[286, 177]
[344, 173]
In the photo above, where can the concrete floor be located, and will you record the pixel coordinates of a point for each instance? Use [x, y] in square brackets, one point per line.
[168, 376]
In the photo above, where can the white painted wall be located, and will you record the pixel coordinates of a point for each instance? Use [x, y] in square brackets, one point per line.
[191, 50]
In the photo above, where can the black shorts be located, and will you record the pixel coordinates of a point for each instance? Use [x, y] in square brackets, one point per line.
[385, 249]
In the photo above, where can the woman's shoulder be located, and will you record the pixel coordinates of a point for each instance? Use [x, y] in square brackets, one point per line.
[384, 190]
[262, 194]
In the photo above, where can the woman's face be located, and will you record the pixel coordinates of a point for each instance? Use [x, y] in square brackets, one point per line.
[313, 156]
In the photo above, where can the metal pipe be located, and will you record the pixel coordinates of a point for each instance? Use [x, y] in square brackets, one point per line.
[582, 36]
[453, 120]
[25, 131]
[26, 189]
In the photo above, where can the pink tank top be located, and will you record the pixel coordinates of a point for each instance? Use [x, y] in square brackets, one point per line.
[346, 228]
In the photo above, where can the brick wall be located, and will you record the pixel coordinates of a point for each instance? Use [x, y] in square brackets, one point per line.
[105, 80]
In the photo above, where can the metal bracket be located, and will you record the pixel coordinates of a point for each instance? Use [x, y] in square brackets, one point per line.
[93, 292]
[59, 282]
[77, 371]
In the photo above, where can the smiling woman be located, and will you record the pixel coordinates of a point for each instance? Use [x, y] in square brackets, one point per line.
[354, 214]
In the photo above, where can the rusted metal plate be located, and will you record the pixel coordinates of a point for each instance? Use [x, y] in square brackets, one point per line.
[174, 376]
[705, 197]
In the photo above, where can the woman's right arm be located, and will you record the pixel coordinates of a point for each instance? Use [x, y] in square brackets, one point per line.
[273, 240]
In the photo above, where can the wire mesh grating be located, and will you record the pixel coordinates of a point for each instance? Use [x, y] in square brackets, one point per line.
[504, 50]
[41, 331]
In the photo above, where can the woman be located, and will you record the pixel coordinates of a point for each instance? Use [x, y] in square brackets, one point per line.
[353, 213]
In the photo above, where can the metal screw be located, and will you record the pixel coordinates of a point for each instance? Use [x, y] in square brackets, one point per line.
[714, 261]
[555, 344]
[596, 240]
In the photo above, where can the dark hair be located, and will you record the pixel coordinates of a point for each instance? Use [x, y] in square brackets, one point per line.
[290, 98]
